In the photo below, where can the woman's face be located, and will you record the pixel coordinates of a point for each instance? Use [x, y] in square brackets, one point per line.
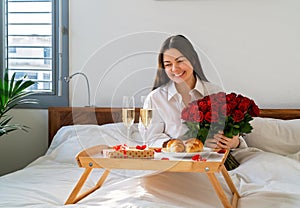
[177, 67]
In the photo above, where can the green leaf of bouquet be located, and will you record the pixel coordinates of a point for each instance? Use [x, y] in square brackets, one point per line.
[236, 126]
[247, 128]
[202, 134]
[235, 132]
[247, 118]
[228, 134]
[228, 131]
[226, 119]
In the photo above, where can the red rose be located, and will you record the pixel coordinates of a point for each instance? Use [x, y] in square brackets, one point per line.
[211, 116]
[206, 98]
[214, 116]
[228, 110]
[207, 116]
[194, 108]
[216, 104]
[207, 104]
[254, 110]
[239, 98]
[185, 114]
[231, 106]
[220, 98]
[224, 110]
[203, 106]
[230, 97]
[238, 116]
[198, 117]
[244, 104]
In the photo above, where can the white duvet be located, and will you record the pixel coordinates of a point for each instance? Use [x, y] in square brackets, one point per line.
[263, 179]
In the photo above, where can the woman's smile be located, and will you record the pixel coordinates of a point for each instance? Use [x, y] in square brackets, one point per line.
[179, 75]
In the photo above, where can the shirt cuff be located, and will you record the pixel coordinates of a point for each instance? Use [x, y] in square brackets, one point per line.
[242, 144]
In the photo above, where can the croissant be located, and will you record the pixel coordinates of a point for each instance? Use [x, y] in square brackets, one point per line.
[175, 145]
[193, 145]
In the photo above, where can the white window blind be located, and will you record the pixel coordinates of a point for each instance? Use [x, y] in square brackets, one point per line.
[30, 42]
[34, 46]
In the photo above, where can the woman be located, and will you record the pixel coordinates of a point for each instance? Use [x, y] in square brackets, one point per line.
[179, 80]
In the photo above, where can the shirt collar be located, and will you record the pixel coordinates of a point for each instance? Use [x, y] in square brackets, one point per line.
[172, 91]
[199, 86]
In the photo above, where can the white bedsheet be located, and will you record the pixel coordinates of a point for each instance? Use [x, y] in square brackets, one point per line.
[263, 179]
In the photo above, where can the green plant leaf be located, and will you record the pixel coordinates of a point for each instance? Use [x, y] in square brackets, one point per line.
[24, 85]
[13, 93]
[9, 128]
[5, 121]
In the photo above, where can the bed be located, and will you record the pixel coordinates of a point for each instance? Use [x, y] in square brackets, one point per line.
[267, 177]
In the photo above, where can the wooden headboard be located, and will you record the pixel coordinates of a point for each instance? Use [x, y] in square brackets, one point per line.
[63, 116]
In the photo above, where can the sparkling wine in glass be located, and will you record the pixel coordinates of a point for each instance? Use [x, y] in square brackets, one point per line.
[146, 118]
[128, 113]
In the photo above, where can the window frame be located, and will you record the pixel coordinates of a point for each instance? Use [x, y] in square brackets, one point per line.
[60, 57]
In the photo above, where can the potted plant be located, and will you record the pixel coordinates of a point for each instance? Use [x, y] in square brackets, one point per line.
[13, 93]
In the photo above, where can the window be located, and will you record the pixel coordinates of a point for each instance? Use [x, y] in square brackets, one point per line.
[36, 44]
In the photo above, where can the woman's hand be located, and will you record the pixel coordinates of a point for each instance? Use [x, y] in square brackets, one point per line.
[223, 142]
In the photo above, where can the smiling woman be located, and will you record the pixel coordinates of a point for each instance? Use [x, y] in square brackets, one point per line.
[179, 80]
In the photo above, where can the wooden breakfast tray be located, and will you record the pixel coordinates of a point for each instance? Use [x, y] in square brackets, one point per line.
[91, 158]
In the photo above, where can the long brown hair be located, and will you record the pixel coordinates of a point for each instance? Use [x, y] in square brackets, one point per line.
[184, 46]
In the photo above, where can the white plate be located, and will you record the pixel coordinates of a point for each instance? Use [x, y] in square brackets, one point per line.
[205, 151]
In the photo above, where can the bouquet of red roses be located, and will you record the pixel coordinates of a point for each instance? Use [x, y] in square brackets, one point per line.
[230, 113]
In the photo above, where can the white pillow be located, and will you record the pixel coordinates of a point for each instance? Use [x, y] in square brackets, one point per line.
[275, 135]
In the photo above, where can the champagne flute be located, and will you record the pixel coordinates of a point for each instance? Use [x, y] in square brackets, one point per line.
[128, 113]
[146, 118]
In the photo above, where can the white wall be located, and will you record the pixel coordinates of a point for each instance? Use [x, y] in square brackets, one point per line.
[252, 44]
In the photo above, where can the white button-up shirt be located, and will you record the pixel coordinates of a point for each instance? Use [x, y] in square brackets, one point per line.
[167, 105]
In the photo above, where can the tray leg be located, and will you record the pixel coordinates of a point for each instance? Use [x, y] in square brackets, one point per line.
[74, 198]
[218, 188]
[231, 186]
